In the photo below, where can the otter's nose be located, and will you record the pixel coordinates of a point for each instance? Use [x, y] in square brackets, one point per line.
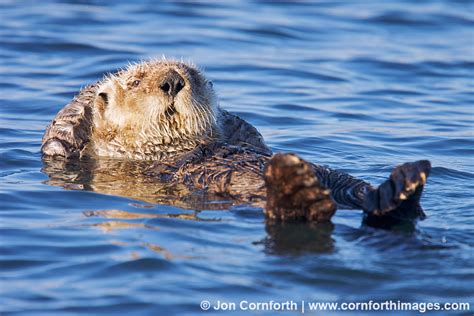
[172, 84]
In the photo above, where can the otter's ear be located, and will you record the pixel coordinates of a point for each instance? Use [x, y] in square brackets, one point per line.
[101, 102]
[103, 97]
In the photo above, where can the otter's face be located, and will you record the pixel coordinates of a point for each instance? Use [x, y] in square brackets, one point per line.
[166, 99]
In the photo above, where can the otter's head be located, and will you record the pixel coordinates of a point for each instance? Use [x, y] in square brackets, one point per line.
[157, 104]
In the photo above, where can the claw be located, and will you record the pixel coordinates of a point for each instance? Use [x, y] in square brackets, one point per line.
[423, 178]
[411, 187]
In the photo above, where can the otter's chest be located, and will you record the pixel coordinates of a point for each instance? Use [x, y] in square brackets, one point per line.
[140, 148]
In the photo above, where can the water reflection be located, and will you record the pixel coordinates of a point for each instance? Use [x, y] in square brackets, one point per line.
[115, 220]
[118, 214]
[127, 179]
[298, 238]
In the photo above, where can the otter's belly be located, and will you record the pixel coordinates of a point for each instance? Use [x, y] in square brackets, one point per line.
[220, 169]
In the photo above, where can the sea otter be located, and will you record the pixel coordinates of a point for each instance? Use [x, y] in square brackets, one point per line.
[167, 112]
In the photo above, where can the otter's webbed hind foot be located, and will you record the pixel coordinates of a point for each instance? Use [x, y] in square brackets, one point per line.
[294, 192]
[396, 202]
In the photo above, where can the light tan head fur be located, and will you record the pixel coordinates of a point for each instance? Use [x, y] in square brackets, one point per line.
[153, 110]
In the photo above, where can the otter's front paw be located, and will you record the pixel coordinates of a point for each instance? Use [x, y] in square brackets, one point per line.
[55, 148]
[294, 192]
[399, 196]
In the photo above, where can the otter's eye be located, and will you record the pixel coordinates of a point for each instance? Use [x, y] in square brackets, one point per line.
[210, 84]
[136, 83]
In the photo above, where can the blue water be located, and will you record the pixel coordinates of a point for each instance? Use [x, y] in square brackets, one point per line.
[360, 86]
